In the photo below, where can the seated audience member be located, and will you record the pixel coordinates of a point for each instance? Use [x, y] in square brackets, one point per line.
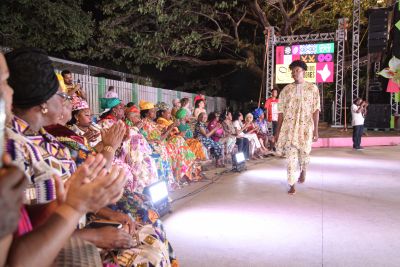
[186, 105]
[242, 143]
[184, 128]
[40, 246]
[182, 158]
[140, 143]
[199, 107]
[263, 134]
[240, 129]
[200, 96]
[204, 135]
[253, 129]
[176, 105]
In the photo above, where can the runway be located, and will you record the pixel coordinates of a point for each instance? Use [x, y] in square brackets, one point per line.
[346, 214]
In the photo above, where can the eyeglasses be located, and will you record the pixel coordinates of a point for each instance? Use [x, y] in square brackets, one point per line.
[65, 96]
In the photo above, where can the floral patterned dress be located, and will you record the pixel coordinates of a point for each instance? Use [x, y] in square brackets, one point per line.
[179, 153]
[195, 145]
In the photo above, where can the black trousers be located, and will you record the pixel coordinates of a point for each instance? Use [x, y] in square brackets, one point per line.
[357, 133]
[243, 145]
[274, 127]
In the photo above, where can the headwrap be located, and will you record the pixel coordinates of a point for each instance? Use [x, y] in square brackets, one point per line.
[79, 103]
[162, 106]
[144, 105]
[133, 109]
[32, 77]
[257, 113]
[164, 122]
[109, 103]
[181, 113]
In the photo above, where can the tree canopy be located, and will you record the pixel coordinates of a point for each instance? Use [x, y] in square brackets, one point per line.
[55, 26]
[183, 34]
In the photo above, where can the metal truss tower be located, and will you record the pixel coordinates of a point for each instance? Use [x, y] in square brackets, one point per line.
[355, 57]
[341, 36]
[270, 63]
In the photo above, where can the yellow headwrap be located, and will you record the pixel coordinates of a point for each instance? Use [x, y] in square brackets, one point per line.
[144, 105]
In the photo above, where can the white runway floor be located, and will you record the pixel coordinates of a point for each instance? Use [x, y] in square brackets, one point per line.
[346, 214]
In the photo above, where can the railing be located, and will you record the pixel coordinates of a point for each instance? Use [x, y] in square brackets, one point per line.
[96, 87]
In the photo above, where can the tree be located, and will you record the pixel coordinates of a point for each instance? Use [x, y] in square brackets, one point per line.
[205, 33]
[52, 25]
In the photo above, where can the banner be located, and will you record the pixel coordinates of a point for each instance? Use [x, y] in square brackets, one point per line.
[318, 57]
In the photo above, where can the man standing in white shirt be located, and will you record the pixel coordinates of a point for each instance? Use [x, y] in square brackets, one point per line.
[358, 113]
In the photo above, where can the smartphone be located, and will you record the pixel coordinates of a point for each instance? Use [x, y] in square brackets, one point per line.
[103, 223]
[2, 127]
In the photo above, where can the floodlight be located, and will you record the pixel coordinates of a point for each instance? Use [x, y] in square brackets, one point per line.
[158, 193]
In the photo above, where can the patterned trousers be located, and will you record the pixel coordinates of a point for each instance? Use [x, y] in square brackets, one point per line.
[296, 159]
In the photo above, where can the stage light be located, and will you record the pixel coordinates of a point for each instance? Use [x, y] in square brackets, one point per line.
[158, 193]
[238, 162]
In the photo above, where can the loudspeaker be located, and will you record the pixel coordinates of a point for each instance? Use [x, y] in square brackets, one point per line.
[396, 32]
[378, 116]
[377, 29]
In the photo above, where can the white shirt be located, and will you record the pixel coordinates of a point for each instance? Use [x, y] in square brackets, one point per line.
[111, 94]
[357, 118]
[238, 126]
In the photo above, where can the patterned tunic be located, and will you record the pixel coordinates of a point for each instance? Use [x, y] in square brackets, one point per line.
[297, 104]
[216, 149]
[41, 157]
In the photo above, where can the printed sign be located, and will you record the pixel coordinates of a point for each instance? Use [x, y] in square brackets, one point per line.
[318, 57]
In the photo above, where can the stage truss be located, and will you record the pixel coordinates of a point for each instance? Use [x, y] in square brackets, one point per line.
[339, 36]
[355, 57]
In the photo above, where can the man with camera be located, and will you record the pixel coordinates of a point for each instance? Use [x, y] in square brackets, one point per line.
[73, 89]
[358, 113]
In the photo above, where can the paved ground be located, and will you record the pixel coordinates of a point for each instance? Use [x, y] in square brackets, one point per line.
[346, 214]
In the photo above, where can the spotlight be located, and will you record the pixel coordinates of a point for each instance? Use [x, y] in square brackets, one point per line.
[238, 162]
[158, 193]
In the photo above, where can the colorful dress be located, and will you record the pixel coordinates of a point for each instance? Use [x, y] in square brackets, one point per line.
[264, 132]
[228, 140]
[181, 157]
[136, 153]
[131, 202]
[195, 145]
[41, 157]
[216, 149]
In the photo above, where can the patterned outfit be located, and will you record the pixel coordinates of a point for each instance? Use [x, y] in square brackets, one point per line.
[182, 158]
[216, 149]
[221, 137]
[40, 156]
[195, 145]
[297, 104]
[135, 152]
[131, 202]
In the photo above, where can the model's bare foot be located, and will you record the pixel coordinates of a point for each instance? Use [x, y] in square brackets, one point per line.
[302, 177]
[292, 190]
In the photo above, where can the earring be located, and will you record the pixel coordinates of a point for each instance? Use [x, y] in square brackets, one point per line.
[44, 110]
